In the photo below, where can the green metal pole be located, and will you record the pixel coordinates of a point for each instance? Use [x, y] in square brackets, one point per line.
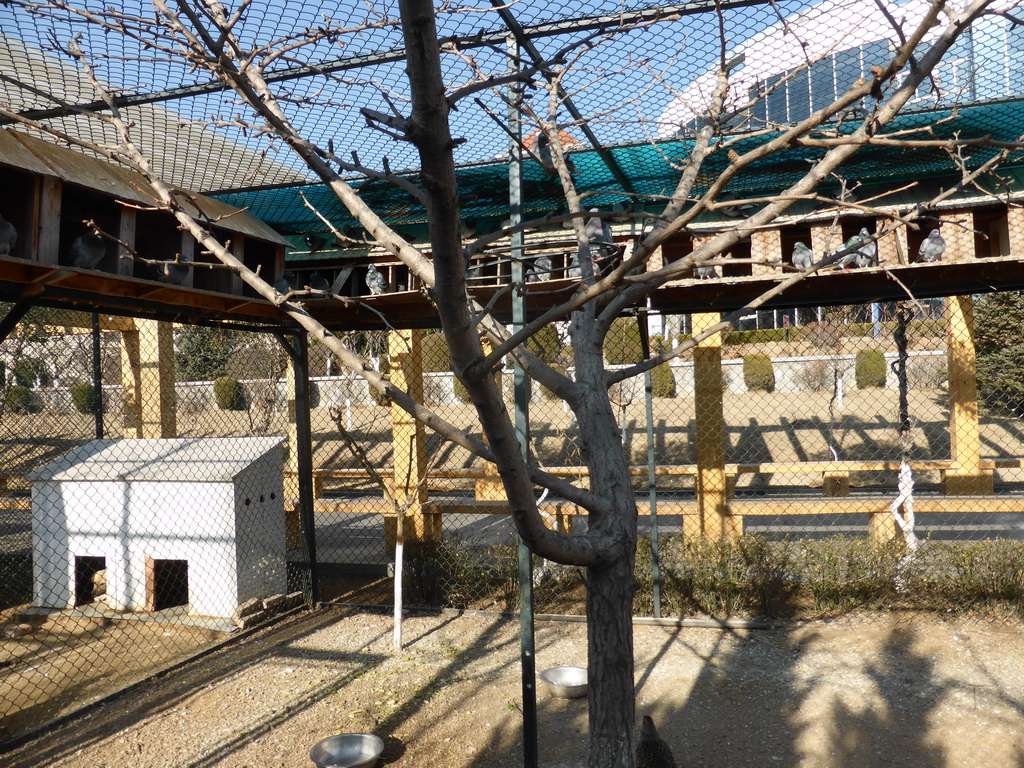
[97, 376]
[521, 395]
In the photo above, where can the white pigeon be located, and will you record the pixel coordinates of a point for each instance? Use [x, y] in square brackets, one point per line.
[705, 272]
[285, 283]
[931, 250]
[867, 253]
[318, 282]
[803, 257]
[375, 281]
[8, 237]
[88, 250]
[539, 270]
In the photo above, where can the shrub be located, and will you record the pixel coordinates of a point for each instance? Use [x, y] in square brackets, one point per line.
[843, 572]
[816, 375]
[763, 335]
[622, 344]
[19, 399]
[1001, 380]
[28, 370]
[758, 373]
[229, 394]
[870, 368]
[84, 397]
[545, 344]
[663, 381]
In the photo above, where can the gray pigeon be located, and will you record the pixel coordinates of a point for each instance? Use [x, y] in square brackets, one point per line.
[652, 751]
[705, 272]
[318, 282]
[88, 250]
[931, 250]
[853, 250]
[803, 257]
[375, 281]
[546, 159]
[603, 250]
[8, 237]
[173, 272]
[285, 283]
[867, 254]
[539, 270]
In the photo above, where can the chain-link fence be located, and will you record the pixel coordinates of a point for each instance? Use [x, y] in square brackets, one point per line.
[810, 462]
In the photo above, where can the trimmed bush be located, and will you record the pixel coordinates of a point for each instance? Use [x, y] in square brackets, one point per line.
[764, 335]
[622, 344]
[663, 382]
[870, 368]
[229, 394]
[84, 397]
[19, 399]
[758, 373]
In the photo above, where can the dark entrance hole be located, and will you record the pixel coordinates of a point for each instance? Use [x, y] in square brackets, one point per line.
[90, 579]
[166, 584]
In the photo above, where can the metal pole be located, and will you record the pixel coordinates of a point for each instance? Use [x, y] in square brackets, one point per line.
[298, 350]
[97, 376]
[521, 396]
[652, 488]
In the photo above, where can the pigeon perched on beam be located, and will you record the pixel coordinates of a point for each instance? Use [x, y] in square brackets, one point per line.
[704, 272]
[319, 283]
[547, 159]
[931, 250]
[375, 281]
[285, 284]
[8, 237]
[803, 257]
[652, 751]
[603, 251]
[88, 250]
[867, 253]
[315, 243]
[539, 270]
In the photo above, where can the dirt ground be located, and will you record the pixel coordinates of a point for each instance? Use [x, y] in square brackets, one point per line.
[856, 691]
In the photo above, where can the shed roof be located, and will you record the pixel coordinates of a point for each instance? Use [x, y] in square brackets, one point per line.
[191, 460]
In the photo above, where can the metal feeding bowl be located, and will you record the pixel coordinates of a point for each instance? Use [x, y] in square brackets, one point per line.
[347, 750]
[566, 682]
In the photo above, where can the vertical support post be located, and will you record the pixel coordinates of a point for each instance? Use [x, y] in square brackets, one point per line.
[187, 250]
[409, 444]
[527, 648]
[126, 234]
[97, 376]
[965, 476]
[652, 487]
[238, 251]
[46, 235]
[715, 522]
[300, 528]
[147, 378]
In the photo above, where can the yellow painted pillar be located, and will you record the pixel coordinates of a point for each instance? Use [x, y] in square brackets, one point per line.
[965, 476]
[147, 379]
[714, 522]
[409, 447]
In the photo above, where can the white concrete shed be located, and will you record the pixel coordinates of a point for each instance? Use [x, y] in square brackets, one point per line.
[196, 522]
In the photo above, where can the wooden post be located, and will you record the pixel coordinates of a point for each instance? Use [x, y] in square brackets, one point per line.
[766, 245]
[892, 248]
[126, 234]
[46, 246]
[238, 251]
[147, 379]
[715, 522]
[187, 250]
[409, 447]
[965, 476]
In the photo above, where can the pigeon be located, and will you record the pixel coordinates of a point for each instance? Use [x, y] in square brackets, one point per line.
[8, 237]
[173, 272]
[546, 159]
[705, 272]
[315, 243]
[285, 283]
[931, 250]
[88, 250]
[803, 257]
[467, 228]
[603, 250]
[539, 270]
[318, 282]
[375, 281]
[867, 254]
[652, 751]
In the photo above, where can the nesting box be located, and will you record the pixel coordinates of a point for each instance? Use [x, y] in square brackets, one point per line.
[145, 525]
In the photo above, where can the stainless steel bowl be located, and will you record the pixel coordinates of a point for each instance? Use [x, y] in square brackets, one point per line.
[347, 750]
[566, 682]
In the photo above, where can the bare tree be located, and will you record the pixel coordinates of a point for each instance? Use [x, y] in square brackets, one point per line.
[721, 121]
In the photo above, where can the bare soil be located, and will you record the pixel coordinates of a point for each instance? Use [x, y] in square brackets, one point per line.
[857, 691]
